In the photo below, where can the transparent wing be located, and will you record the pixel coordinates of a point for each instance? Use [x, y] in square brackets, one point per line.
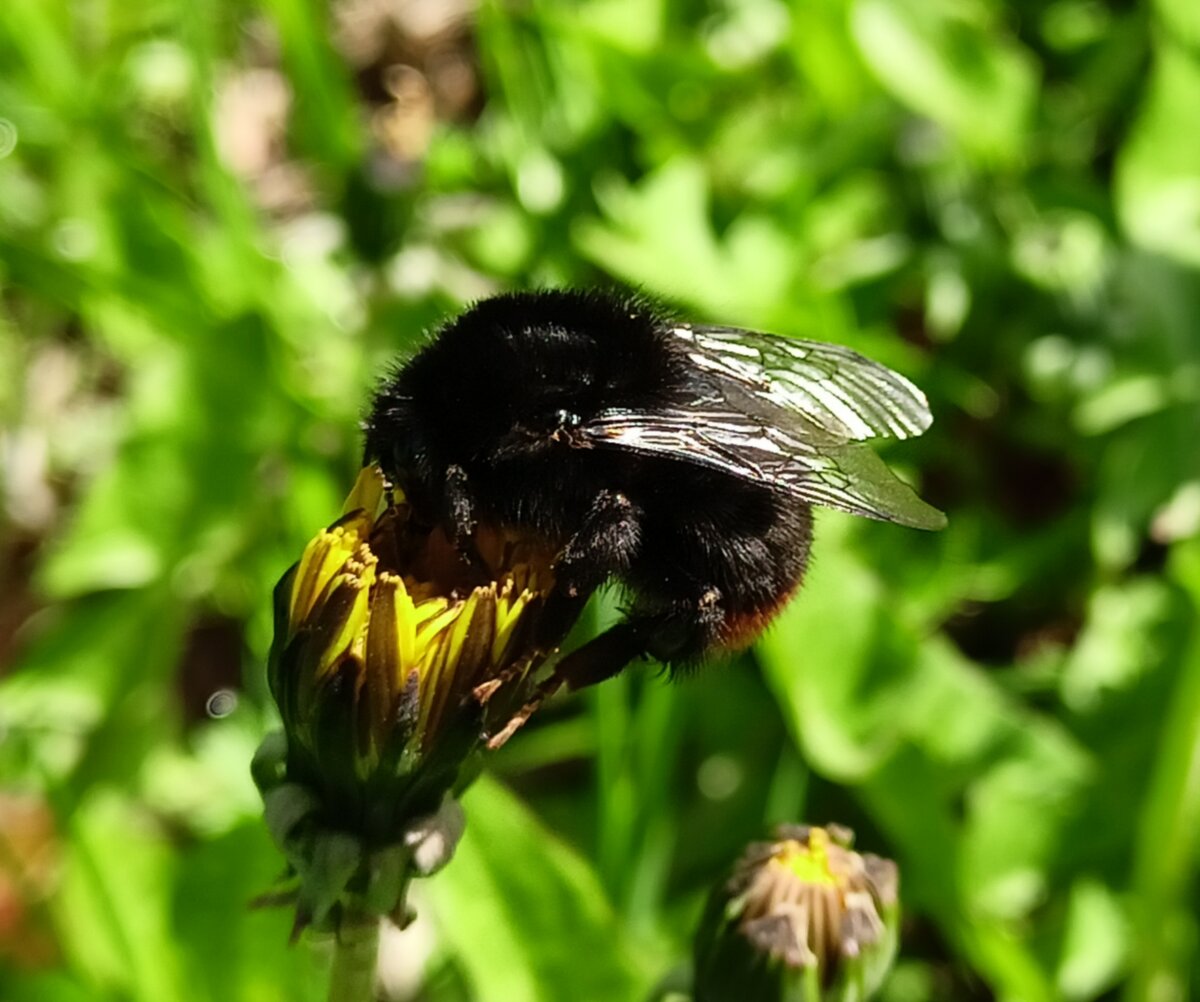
[844, 475]
[830, 390]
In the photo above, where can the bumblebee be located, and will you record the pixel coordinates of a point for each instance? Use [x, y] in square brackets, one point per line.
[678, 459]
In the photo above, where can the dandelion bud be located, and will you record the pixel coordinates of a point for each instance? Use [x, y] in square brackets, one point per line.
[394, 660]
[802, 919]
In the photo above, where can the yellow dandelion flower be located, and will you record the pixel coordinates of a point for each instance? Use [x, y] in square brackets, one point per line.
[392, 661]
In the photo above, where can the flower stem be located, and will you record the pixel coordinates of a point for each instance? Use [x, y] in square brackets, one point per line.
[1165, 860]
[356, 950]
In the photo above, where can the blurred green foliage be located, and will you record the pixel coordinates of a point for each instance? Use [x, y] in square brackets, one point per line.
[219, 221]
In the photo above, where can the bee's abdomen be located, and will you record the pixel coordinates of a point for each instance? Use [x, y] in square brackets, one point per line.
[728, 580]
[742, 627]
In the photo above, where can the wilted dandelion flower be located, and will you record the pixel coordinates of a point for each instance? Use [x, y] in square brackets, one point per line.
[802, 918]
[393, 661]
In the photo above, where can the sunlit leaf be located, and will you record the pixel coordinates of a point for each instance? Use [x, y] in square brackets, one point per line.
[974, 80]
[507, 897]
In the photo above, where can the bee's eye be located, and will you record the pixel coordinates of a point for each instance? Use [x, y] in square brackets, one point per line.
[566, 419]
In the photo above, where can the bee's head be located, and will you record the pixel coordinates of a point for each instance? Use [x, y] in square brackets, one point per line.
[514, 374]
[392, 436]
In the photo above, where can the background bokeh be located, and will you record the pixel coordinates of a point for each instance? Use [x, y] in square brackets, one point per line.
[219, 220]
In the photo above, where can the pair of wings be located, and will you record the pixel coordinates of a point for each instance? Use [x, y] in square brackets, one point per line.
[786, 413]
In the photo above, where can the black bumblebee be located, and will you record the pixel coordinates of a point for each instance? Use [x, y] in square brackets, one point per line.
[681, 460]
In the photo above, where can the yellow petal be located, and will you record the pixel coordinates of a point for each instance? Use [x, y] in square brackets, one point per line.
[382, 672]
[430, 686]
[471, 637]
[322, 559]
[426, 608]
[458, 634]
[508, 615]
[431, 628]
[406, 626]
[367, 494]
[338, 621]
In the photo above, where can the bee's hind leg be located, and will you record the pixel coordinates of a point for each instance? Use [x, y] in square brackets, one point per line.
[600, 658]
[680, 632]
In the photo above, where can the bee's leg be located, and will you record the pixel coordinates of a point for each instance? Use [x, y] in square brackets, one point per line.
[605, 545]
[681, 631]
[688, 628]
[459, 504]
[601, 657]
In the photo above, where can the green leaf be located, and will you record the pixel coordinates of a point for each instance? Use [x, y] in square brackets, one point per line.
[832, 661]
[1095, 943]
[112, 913]
[229, 951]
[1158, 169]
[525, 915]
[973, 790]
[969, 77]
[659, 231]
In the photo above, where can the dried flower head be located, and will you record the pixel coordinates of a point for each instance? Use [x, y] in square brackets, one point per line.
[802, 918]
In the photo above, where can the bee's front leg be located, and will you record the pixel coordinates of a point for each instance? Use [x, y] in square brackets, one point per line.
[458, 506]
[605, 545]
